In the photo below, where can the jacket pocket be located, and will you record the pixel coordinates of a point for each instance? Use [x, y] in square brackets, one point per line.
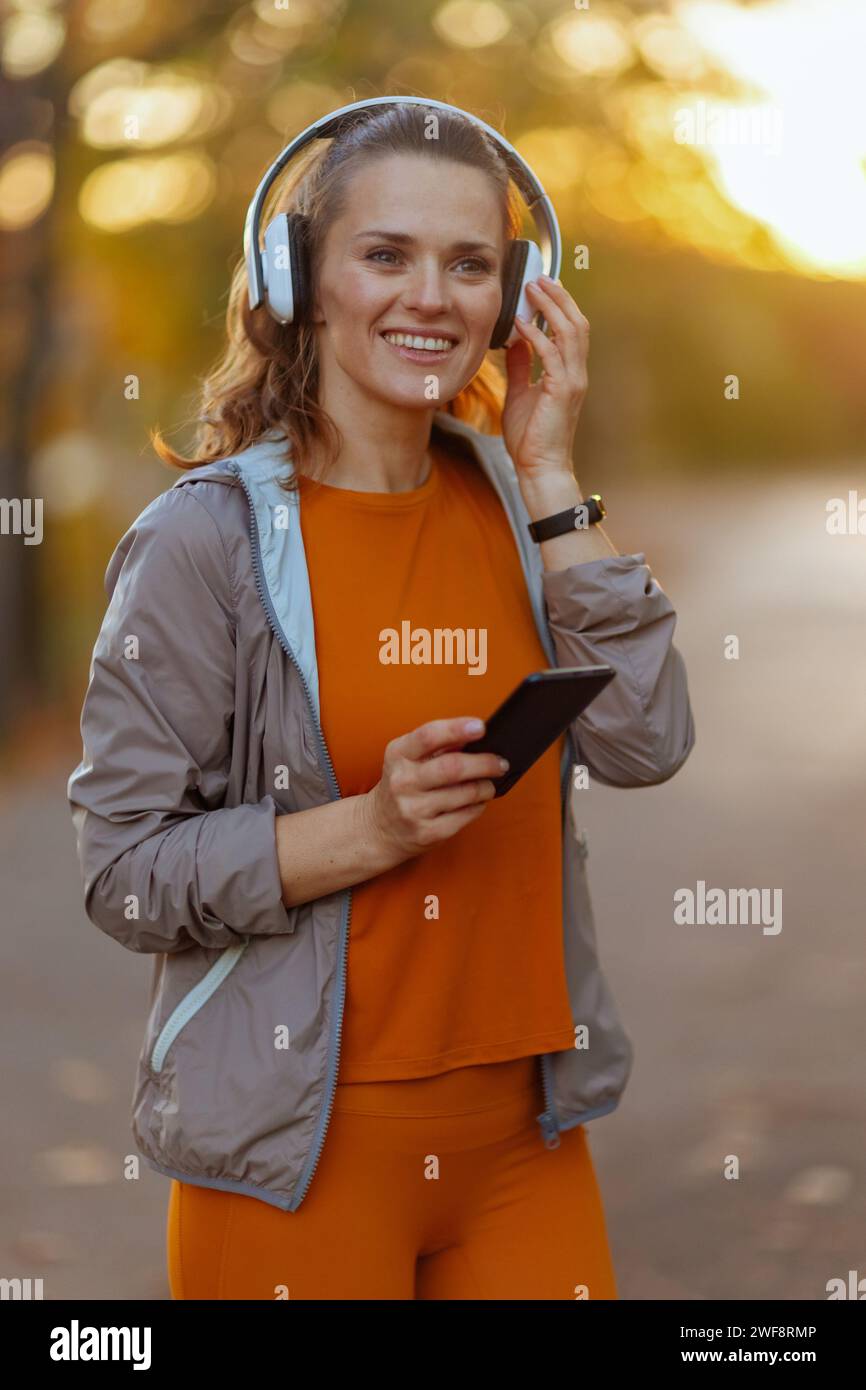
[192, 1002]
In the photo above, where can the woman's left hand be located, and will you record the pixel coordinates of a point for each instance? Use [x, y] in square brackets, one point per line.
[539, 421]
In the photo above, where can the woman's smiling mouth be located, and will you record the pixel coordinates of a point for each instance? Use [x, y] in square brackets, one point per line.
[419, 347]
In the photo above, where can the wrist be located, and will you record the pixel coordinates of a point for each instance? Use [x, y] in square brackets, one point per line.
[382, 855]
[550, 493]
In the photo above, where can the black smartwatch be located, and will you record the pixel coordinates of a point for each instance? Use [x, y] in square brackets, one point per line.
[585, 513]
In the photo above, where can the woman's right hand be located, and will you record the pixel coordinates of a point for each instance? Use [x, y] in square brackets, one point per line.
[429, 790]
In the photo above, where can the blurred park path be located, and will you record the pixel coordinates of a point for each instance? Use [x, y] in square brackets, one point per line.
[746, 1044]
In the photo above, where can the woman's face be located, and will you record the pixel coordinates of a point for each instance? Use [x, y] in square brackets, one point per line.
[419, 250]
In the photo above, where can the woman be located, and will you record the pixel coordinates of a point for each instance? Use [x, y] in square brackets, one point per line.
[394, 1111]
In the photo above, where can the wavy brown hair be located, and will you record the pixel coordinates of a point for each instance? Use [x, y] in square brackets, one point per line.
[266, 377]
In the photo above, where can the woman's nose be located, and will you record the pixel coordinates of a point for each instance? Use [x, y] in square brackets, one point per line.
[427, 288]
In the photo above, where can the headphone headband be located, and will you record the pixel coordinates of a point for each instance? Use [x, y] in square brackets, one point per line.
[537, 201]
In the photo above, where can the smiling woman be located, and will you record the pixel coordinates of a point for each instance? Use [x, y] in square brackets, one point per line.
[374, 978]
[386, 207]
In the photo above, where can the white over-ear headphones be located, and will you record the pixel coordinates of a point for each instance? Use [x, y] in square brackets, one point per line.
[278, 274]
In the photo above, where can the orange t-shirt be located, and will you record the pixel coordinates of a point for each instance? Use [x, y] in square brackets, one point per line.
[455, 956]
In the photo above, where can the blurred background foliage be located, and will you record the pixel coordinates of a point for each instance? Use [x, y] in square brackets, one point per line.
[710, 156]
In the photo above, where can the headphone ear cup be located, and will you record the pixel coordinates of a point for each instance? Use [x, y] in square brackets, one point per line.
[284, 266]
[302, 282]
[512, 286]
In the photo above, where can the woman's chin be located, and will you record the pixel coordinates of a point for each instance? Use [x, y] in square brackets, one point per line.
[413, 396]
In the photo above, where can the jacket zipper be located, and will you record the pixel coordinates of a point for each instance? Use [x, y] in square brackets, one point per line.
[548, 1121]
[335, 1040]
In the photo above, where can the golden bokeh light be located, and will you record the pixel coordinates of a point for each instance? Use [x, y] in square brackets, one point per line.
[668, 49]
[471, 23]
[594, 44]
[104, 20]
[26, 185]
[268, 31]
[31, 41]
[160, 110]
[127, 193]
[247, 43]
[103, 77]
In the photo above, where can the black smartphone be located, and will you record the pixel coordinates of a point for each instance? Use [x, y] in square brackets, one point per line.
[536, 712]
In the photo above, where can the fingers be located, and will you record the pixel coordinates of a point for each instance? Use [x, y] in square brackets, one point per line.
[547, 349]
[454, 768]
[429, 738]
[436, 752]
[462, 796]
[565, 320]
[518, 365]
[558, 307]
[430, 786]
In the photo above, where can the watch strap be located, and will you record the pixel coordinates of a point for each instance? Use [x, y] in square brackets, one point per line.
[585, 513]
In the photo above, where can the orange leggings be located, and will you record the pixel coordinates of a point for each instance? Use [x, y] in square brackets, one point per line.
[438, 1187]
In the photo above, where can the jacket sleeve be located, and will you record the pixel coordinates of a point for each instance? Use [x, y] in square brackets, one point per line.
[639, 730]
[164, 864]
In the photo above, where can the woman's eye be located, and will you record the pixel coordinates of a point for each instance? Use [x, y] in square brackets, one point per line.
[477, 264]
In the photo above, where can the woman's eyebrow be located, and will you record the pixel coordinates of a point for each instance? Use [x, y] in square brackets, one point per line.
[405, 239]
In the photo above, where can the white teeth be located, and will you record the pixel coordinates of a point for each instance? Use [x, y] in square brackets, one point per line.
[418, 342]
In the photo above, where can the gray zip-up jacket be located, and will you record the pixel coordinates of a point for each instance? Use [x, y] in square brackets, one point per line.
[200, 725]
